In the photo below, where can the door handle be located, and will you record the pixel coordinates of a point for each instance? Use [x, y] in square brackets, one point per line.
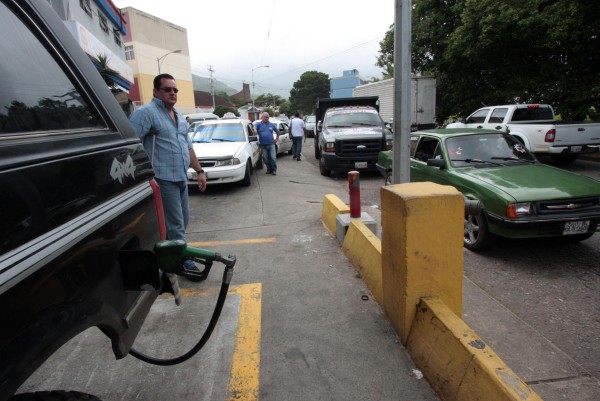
[480, 126]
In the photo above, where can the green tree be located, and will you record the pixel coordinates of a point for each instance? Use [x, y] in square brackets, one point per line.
[490, 52]
[268, 99]
[101, 63]
[221, 110]
[305, 92]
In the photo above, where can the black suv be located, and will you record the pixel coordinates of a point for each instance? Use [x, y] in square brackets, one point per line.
[77, 197]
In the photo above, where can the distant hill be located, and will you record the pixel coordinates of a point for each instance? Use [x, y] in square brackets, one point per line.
[203, 84]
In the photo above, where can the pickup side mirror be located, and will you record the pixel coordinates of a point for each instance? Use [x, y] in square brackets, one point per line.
[319, 126]
[441, 163]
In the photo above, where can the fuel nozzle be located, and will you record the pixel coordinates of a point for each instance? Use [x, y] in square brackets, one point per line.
[171, 255]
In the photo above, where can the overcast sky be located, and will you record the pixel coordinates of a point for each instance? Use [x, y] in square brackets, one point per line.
[235, 36]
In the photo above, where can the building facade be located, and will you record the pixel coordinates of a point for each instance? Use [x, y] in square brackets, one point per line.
[152, 46]
[99, 29]
[343, 86]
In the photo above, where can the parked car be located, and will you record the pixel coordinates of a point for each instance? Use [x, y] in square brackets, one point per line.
[521, 197]
[284, 144]
[310, 123]
[200, 117]
[227, 150]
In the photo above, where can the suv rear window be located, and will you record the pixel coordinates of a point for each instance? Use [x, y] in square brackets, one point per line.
[35, 94]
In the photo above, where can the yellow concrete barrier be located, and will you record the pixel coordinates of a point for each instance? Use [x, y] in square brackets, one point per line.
[422, 253]
[332, 206]
[457, 363]
[363, 250]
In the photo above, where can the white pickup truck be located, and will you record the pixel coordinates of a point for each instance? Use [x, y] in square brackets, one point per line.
[536, 126]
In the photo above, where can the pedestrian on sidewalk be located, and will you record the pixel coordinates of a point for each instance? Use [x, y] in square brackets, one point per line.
[296, 131]
[163, 131]
[265, 131]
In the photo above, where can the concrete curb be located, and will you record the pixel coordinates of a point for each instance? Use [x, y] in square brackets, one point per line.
[455, 361]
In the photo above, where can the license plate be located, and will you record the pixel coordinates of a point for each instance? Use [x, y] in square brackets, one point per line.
[575, 148]
[576, 227]
[360, 165]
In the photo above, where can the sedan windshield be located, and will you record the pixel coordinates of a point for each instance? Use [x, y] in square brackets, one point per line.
[490, 149]
[219, 133]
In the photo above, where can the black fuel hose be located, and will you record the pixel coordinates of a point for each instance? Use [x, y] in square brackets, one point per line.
[227, 274]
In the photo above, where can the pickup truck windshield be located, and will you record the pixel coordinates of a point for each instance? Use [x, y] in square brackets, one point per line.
[353, 119]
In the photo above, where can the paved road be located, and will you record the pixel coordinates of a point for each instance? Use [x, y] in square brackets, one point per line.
[299, 324]
[548, 328]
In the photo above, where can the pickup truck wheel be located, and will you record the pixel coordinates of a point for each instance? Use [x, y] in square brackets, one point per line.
[317, 151]
[56, 395]
[324, 170]
[477, 237]
[564, 159]
[246, 181]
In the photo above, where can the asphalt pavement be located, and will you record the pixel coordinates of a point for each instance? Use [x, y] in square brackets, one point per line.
[299, 323]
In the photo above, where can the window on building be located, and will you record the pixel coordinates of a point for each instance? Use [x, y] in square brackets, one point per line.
[129, 54]
[117, 37]
[87, 7]
[103, 23]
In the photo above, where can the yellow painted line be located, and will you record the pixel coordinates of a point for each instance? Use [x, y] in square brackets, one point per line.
[239, 241]
[245, 367]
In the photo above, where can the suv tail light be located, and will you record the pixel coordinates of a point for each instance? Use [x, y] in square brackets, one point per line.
[160, 215]
[550, 135]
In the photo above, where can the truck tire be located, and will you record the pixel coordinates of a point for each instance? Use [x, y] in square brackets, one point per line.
[56, 395]
[317, 150]
[324, 170]
[259, 163]
[564, 159]
[476, 236]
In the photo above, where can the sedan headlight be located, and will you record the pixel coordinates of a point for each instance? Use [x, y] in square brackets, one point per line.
[228, 162]
[521, 209]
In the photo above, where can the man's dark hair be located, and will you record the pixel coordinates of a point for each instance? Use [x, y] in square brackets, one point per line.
[296, 114]
[159, 77]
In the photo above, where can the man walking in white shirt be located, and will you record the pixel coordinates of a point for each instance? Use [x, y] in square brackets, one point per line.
[296, 131]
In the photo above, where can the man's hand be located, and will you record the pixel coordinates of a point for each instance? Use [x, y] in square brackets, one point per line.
[202, 181]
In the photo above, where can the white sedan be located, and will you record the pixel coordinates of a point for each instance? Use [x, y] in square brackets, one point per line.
[284, 144]
[227, 150]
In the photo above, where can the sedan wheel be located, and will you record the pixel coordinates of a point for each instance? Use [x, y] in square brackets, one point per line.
[476, 234]
[247, 181]
[388, 178]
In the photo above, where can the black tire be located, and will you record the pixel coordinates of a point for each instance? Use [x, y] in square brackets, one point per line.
[564, 159]
[246, 181]
[259, 163]
[57, 395]
[324, 170]
[476, 234]
[317, 150]
[388, 178]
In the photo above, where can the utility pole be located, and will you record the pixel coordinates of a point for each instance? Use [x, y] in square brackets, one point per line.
[212, 85]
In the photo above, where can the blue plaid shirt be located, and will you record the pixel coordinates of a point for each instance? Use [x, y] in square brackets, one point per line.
[171, 155]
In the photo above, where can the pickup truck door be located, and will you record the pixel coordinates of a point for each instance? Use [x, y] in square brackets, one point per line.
[477, 119]
[495, 119]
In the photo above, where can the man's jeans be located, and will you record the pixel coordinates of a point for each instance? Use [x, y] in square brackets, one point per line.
[296, 146]
[269, 155]
[175, 205]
